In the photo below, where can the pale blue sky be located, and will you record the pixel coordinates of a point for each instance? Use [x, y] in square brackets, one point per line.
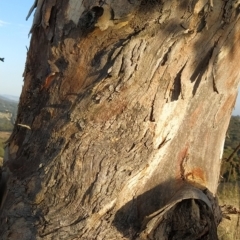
[14, 38]
[13, 41]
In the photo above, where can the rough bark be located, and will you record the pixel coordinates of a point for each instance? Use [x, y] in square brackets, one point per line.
[122, 120]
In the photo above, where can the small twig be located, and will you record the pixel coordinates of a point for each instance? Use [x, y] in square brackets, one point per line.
[232, 154]
[23, 125]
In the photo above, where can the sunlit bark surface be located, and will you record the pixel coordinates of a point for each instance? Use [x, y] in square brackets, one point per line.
[123, 115]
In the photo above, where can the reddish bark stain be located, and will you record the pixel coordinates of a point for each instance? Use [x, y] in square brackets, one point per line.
[196, 175]
[186, 173]
[195, 116]
[48, 81]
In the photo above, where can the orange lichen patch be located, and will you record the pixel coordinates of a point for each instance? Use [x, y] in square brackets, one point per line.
[48, 81]
[196, 176]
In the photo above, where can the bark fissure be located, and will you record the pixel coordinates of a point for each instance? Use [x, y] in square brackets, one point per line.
[151, 115]
[200, 70]
[176, 90]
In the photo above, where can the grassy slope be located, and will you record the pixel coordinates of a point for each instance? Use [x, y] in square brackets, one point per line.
[3, 138]
[8, 113]
[231, 169]
[229, 188]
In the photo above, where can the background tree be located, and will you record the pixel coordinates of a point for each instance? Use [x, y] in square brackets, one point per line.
[122, 116]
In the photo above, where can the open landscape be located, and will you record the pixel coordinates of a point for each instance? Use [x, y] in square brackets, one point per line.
[3, 138]
[8, 113]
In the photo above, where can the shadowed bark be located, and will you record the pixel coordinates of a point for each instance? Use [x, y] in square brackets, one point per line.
[122, 120]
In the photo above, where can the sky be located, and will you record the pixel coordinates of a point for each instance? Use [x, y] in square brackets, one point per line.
[14, 39]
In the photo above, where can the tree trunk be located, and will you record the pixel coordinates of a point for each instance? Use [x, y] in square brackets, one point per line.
[122, 120]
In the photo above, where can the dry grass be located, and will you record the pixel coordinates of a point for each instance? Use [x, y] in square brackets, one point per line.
[229, 194]
[4, 135]
[3, 138]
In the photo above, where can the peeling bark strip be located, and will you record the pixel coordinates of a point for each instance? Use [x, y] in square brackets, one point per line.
[121, 120]
[189, 215]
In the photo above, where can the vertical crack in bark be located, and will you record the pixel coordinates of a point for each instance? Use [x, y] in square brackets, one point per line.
[152, 117]
[164, 141]
[203, 14]
[211, 64]
[182, 165]
[176, 90]
[47, 9]
[227, 13]
[200, 70]
[191, 5]
[166, 55]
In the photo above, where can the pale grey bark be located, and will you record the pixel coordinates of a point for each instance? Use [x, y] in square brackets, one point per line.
[123, 119]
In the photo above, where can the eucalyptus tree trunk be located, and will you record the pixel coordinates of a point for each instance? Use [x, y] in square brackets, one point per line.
[122, 120]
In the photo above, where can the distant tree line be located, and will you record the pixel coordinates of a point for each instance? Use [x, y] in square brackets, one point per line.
[231, 162]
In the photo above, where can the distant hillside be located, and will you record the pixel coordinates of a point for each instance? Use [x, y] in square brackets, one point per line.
[229, 187]
[233, 133]
[231, 167]
[3, 138]
[9, 97]
[8, 113]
